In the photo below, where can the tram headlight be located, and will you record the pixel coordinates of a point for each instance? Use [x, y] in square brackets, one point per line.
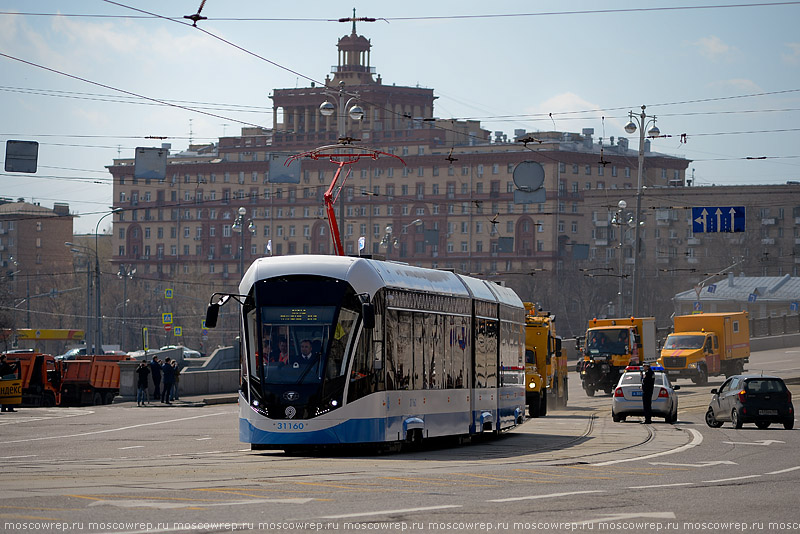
[334, 403]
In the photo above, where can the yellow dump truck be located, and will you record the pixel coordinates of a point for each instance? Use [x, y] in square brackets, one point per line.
[545, 363]
[610, 346]
[707, 344]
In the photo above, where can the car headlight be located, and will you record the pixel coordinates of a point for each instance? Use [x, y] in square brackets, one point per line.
[692, 366]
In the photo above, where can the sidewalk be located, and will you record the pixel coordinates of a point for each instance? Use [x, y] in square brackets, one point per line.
[192, 401]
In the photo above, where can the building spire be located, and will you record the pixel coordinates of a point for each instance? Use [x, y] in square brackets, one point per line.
[354, 21]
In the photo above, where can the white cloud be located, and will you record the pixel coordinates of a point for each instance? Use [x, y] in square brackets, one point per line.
[713, 47]
[792, 56]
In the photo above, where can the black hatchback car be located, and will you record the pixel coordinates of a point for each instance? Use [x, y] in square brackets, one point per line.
[758, 399]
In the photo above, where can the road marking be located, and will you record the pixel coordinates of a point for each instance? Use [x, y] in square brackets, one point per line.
[697, 439]
[132, 447]
[784, 470]
[730, 479]
[106, 431]
[662, 485]
[701, 464]
[624, 517]
[759, 442]
[204, 439]
[165, 505]
[548, 496]
[387, 512]
[15, 457]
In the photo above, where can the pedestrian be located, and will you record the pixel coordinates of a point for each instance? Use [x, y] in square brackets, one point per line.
[7, 370]
[648, 384]
[177, 379]
[155, 369]
[143, 371]
[168, 374]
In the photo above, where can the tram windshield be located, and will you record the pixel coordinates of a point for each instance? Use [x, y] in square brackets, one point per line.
[301, 344]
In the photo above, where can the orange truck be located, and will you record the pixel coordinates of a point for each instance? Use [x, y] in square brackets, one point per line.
[707, 344]
[46, 381]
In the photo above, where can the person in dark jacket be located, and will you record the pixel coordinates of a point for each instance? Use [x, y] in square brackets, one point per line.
[648, 384]
[142, 372]
[168, 374]
[155, 369]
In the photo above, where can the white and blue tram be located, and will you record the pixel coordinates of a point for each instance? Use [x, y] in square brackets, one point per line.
[343, 350]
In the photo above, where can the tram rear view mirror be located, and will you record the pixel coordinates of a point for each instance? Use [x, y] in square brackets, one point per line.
[211, 315]
[368, 313]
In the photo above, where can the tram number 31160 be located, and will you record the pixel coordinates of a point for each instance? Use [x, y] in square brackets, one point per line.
[289, 426]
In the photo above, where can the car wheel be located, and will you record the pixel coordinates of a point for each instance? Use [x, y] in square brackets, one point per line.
[735, 419]
[711, 420]
[788, 425]
[615, 417]
[763, 425]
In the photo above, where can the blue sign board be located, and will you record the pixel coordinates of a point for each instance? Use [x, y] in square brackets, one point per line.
[712, 288]
[752, 297]
[713, 219]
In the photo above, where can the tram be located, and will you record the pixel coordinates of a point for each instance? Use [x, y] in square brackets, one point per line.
[343, 350]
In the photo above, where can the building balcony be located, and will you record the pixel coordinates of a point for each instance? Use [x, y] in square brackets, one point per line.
[693, 241]
[663, 260]
[767, 222]
[601, 242]
[767, 241]
[692, 260]
[601, 223]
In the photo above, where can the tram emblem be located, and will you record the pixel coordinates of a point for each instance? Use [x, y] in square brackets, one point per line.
[290, 412]
[291, 395]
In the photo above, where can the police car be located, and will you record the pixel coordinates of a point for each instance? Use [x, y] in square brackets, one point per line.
[627, 399]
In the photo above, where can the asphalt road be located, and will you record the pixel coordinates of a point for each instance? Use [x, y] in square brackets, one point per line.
[124, 469]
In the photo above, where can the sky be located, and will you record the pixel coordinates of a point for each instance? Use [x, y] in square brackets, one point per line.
[91, 80]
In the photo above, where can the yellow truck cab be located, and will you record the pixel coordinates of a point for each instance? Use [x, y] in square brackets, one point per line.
[610, 346]
[707, 344]
[545, 363]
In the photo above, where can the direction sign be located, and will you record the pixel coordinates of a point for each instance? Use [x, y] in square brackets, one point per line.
[718, 219]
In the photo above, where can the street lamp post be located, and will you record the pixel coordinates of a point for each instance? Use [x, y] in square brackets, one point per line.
[620, 220]
[356, 113]
[238, 226]
[389, 241]
[642, 121]
[125, 272]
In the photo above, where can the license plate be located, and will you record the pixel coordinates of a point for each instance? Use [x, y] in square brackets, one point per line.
[673, 372]
[767, 412]
[636, 393]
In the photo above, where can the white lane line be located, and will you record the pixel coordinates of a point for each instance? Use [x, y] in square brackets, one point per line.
[387, 512]
[548, 496]
[131, 447]
[662, 485]
[730, 479]
[202, 439]
[167, 505]
[15, 457]
[697, 439]
[784, 471]
[106, 431]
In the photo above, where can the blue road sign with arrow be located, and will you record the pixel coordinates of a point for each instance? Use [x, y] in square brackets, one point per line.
[718, 219]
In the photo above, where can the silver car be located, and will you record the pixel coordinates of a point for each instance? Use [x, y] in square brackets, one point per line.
[628, 395]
